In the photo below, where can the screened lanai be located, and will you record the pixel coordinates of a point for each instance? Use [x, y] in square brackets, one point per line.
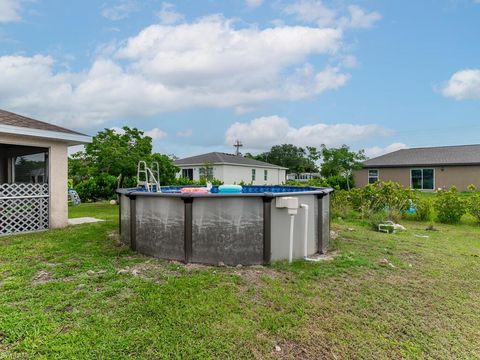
[33, 173]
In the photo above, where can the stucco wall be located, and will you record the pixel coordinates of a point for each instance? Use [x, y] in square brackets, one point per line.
[58, 174]
[445, 177]
[231, 174]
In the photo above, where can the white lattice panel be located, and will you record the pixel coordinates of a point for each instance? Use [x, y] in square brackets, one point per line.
[23, 207]
[22, 190]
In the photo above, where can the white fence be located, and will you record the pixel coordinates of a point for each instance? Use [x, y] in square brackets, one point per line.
[23, 208]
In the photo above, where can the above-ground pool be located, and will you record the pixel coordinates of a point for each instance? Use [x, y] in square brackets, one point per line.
[251, 227]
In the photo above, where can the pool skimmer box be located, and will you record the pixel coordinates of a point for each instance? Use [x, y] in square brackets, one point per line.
[288, 202]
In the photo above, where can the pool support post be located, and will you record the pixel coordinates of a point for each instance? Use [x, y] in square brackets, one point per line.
[188, 232]
[267, 228]
[133, 222]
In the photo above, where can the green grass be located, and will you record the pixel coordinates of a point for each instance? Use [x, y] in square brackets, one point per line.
[61, 296]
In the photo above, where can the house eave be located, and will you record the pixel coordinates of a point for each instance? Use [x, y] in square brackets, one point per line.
[70, 138]
[417, 165]
[233, 164]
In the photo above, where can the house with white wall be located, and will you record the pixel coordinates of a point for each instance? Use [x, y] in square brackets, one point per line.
[231, 169]
[33, 173]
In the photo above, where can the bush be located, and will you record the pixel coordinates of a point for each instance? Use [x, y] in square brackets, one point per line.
[376, 218]
[341, 204]
[338, 182]
[449, 206]
[423, 207]
[388, 197]
[202, 181]
[97, 188]
[473, 205]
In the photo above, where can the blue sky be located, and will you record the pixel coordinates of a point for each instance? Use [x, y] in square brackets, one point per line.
[196, 75]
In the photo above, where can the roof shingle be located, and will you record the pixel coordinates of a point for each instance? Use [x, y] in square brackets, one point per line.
[428, 156]
[224, 158]
[11, 119]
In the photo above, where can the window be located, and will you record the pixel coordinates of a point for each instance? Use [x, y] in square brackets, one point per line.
[31, 169]
[422, 179]
[187, 173]
[372, 176]
[265, 175]
[254, 174]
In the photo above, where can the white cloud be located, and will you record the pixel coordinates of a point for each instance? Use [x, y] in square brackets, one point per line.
[463, 85]
[156, 134]
[185, 133]
[253, 3]
[315, 11]
[153, 72]
[10, 10]
[312, 11]
[168, 16]
[377, 151]
[359, 18]
[264, 132]
[121, 10]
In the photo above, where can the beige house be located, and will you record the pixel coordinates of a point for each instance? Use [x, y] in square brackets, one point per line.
[231, 169]
[426, 169]
[33, 173]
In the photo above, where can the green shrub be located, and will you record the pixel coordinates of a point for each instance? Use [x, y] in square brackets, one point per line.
[341, 204]
[473, 205]
[423, 207]
[449, 206]
[376, 218]
[202, 181]
[387, 197]
[97, 188]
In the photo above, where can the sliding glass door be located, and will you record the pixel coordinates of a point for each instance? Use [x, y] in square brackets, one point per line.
[422, 179]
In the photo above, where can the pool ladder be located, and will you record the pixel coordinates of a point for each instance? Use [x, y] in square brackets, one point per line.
[148, 178]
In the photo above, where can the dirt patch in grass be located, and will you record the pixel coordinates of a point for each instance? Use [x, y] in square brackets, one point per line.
[42, 277]
[150, 270]
[257, 277]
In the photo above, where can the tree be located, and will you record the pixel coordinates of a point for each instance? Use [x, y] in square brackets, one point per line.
[290, 156]
[116, 155]
[340, 162]
[206, 171]
[167, 168]
[313, 155]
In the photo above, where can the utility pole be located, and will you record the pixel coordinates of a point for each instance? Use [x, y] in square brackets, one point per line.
[237, 145]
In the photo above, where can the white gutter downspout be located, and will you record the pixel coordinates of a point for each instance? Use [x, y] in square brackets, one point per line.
[305, 232]
[290, 249]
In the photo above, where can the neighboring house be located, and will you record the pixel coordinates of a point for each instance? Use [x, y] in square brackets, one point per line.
[231, 169]
[425, 168]
[33, 173]
[303, 177]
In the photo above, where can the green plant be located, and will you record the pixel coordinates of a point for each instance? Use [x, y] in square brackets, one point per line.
[423, 207]
[388, 197]
[101, 187]
[341, 205]
[449, 206]
[376, 218]
[473, 205]
[202, 181]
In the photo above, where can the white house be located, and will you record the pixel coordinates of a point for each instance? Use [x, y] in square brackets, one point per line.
[231, 169]
[303, 177]
[33, 173]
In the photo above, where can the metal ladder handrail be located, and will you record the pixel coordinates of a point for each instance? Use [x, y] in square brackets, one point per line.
[150, 179]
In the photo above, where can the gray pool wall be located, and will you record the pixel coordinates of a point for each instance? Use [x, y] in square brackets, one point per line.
[234, 229]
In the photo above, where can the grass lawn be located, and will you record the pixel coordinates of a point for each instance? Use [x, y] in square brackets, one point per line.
[62, 296]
